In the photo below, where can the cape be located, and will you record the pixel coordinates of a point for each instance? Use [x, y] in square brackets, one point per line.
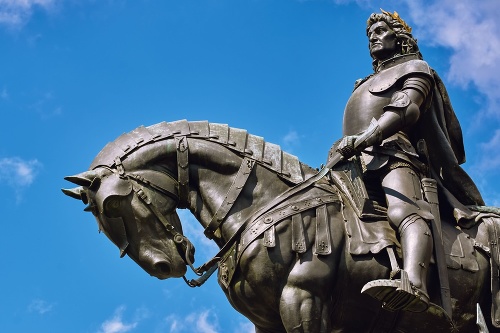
[440, 129]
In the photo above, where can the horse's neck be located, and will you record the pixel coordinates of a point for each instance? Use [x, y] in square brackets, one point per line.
[213, 170]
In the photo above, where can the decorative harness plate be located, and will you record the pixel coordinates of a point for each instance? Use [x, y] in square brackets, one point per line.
[266, 223]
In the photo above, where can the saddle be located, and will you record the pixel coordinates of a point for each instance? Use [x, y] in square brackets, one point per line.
[369, 231]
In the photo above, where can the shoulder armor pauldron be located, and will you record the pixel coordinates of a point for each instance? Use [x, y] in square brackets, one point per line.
[388, 77]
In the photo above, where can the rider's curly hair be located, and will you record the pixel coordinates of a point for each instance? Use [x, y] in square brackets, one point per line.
[405, 41]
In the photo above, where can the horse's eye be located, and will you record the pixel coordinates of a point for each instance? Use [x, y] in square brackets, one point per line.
[112, 206]
[113, 203]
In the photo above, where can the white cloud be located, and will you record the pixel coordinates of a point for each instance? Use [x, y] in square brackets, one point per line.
[40, 306]
[18, 172]
[116, 323]
[484, 169]
[470, 29]
[245, 327]
[291, 138]
[491, 157]
[203, 322]
[15, 13]
[175, 325]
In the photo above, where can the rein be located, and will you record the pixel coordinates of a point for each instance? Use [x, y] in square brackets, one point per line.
[246, 167]
[244, 171]
[185, 247]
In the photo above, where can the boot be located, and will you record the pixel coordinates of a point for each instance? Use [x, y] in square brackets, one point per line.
[416, 243]
[409, 292]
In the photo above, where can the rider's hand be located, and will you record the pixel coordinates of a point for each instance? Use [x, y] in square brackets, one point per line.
[346, 146]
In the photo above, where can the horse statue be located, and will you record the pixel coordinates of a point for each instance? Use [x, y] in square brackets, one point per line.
[293, 258]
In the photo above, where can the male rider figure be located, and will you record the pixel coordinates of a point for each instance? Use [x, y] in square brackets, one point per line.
[381, 121]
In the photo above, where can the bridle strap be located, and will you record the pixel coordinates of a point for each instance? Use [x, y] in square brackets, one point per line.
[184, 246]
[232, 194]
[182, 242]
[181, 144]
[178, 238]
[208, 266]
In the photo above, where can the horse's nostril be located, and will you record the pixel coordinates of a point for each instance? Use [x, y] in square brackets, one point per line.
[162, 267]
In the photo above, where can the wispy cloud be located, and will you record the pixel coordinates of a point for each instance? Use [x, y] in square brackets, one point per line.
[15, 13]
[40, 306]
[116, 324]
[290, 140]
[46, 105]
[485, 168]
[245, 327]
[18, 173]
[489, 151]
[4, 94]
[203, 322]
[471, 30]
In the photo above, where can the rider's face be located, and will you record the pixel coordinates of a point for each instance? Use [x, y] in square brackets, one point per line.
[382, 41]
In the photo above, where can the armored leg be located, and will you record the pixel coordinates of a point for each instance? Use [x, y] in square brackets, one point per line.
[416, 243]
[407, 213]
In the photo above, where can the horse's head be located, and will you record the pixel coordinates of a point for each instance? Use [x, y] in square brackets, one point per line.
[137, 212]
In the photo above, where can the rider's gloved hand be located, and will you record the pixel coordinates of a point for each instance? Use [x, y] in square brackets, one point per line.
[346, 146]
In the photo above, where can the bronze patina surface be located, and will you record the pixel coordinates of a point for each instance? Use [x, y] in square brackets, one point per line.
[391, 236]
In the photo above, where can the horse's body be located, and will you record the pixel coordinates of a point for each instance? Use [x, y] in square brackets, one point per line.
[298, 275]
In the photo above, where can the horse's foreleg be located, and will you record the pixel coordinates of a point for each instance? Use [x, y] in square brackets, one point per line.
[305, 299]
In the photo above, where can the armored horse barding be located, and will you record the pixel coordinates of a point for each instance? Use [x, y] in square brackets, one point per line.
[291, 260]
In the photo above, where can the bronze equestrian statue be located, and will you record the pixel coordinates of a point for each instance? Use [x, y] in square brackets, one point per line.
[308, 251]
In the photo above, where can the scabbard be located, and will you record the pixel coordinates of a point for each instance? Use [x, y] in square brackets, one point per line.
[431, 196]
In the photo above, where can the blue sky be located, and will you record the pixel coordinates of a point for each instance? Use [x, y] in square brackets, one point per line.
[75, 74]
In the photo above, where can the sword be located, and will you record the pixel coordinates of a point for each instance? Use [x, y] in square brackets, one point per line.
[480, 322]
[431, 195]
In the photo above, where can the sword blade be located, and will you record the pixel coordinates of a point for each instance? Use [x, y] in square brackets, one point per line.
[480, 322]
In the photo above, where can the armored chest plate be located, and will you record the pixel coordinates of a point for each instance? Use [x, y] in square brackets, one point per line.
[368, 100]
[362, 107]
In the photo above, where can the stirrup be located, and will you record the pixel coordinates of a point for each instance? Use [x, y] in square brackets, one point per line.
[397, 294]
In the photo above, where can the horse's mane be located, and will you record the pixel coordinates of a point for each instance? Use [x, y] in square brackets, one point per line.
[237, 140]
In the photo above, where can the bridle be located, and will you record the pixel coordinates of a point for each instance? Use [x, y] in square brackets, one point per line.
[169, 186]
[178, 189]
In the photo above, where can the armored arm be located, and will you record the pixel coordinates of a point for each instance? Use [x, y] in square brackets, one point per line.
[402, 112]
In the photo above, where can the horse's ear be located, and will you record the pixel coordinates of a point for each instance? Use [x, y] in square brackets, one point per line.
[78, 193]
[83, 179]
[75, 193]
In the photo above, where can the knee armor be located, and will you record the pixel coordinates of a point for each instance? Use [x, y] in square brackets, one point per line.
[397, 213]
